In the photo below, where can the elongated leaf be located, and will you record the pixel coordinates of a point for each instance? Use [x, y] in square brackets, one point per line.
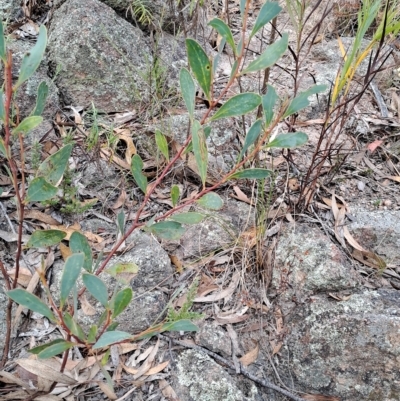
[268, 12]
[251, 136]
[242, 7]
[188, 217]
[32, 302]
[45, 238]
[73, 326]
[211, 201]
[27, 124]
[2, 110]
[121, 301]
[301, 100]
[2, 148]
[169, 230]
[252, 174]
[221, 47]
[79, 243]
[180, 325]
[41, 97]
[224, 31]
[52, 169]
[32, 59]
[136, 169]
[270, 56]
[188, 90]
[238, 105]
[162, 144]
[40, 190]
[268, 102]
[111, 337]
[200, 65]
[40, 348]
[200, 150]
[55, 349]
[96, 287]
[175, 195]
[288, 141]
[112, 326]
[3, 55]
[92, 334]
[72, 269]
[123, 272]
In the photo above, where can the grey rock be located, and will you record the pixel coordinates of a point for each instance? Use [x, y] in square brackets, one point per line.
[348, 349]
[9, 9]
[378, 231]
[214, 338]
[103, 62]
[218, 231]
[199, 378]
[306, 263]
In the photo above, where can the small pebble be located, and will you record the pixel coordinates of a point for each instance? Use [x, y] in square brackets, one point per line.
[387, 202]
[360, 185]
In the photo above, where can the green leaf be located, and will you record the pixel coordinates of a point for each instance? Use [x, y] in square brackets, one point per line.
[40, 348]
[55, 349]
[92, 334]
[111, 337]
[2, 147]
[288, 141]
[123, 271]
[27, 124]
[112, 326]
[40, 190]
[268, 12]
[188, 90]
[200, 65]
[224, 31]
[200, 150]
[52, 169]
[2, 109]
[79, 243]
[71, 271]
[301, 100]
[169, 230]
[121, 222]
[188, 217]
[121, 301]
[33, 58]
[252, 174]
[45, 238]
[32, 302]
[251, 137]
[238, 105]
[73, 326]
[175, 195]
[162, 144]
[96, 287]
[269, 57]
[180, 325]
[136, 169]
[242, 7]
[41, 97]
[268, 102]
[3, 54]
[211, 201]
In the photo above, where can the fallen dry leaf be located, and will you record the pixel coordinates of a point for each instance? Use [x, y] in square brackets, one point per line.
[167, 391]
[318, 397]
[46, 369]
[43, 217]
[240, 195]
[373, 145]
[107, 390]
[87, 308]
[226, 293]
[250, 357]
[177, 263]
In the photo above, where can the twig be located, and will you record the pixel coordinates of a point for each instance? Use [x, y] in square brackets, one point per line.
[243, 370]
